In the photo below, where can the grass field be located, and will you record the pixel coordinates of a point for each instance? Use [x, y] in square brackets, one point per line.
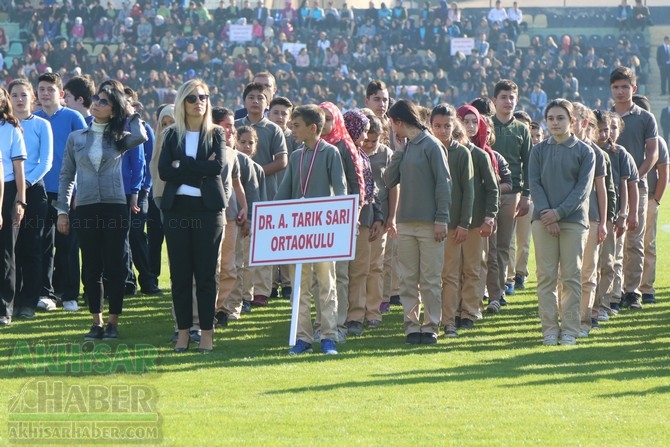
[495, 385]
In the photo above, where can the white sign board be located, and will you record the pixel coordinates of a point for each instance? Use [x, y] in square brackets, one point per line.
[304, 231]
[293, 48]
[240, 33]
[462, 44]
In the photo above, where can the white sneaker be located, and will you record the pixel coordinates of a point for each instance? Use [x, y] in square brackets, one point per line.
[70, 306]
[550, 340]
[46, 303]
[568, 340]
[5, 321]
[603, 315]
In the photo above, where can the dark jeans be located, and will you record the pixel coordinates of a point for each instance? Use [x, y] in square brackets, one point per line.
[137, 248]
[29, 247]
[155, 236]
[60, 261]
[102, 228]
[8, 235]
[193, 235]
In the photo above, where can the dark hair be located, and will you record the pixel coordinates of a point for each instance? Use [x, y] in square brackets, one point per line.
[563, 104]
[505, 85]
[254, 86]
[117, 122]
[458, 132]
[522, 116]
[374, 87]
[6, 112]
[310, 114]
[623, 74]
[407, 112]
[221, 113]
[484, 106]
[51, 78]
[130, 93]
[111, 83]
[81, 87]
[23, 82]
[642, 102]
[375, 124]
[535, 125]
[281, 101]
[246, 129]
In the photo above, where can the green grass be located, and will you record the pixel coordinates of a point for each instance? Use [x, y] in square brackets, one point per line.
[495, 385]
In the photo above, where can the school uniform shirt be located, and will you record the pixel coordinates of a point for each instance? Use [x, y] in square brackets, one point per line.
[13, 148]
[422, 169]
[38, 137]
[271, 142]
[599, 170]
[327, 176]
[459, 159]
[652, 176]
[485, 187]
[231, 171]
[639, 126]
[567, 189]
[249, 181]
[380, 158]
[513, 142]
[621, 168]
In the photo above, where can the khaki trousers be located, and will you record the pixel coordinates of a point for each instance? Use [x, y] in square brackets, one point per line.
[324, 273]
[359, 268]
[420, 263]
[228, 270]
[649, 270]
[519, 248]
[461, 295]
[605, 273]
[375, 282]
[232, 304]
[590, 262]
[506, 225]
[617, 285]
[391, 286]
[553, 254]
[262, 280]
[633, 256]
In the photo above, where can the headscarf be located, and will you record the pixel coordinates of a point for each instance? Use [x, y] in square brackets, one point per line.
[356, 123]
[481, 137]
[339, 133]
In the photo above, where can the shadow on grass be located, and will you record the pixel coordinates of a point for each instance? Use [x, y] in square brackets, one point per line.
[260, 339]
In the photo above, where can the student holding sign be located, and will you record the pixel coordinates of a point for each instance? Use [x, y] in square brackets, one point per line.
[314, 170]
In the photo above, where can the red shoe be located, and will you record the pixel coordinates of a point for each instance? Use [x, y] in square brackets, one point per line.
[260, 301]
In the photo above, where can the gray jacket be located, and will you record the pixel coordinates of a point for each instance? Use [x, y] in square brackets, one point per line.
[104, 185]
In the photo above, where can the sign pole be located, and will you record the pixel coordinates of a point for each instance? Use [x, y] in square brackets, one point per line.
[297, 277]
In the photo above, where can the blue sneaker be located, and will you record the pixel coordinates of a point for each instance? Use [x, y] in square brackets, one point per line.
[246, 306]
[301, 347]
[509, 288]
[328, 346]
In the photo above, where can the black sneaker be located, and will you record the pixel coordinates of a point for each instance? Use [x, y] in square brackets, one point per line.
[413, 339]
[194, 335]
[428, 338]
[519, 281]
[457, 322]
[395, 300]
[274, 293]
[221, 319]
[95, 333]
[111, 332]
[631, 300]
[246, 306]
[286, 292]
[594, 323]
[615, 308]
[502, 301]
[648, 298]
[467, 323]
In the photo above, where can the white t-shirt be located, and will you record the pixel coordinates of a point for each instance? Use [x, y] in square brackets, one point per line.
[191, 150]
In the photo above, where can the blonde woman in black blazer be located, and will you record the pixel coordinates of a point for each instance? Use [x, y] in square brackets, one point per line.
[191, 161]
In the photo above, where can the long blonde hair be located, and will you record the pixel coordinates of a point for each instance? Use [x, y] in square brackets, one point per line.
[207, 125]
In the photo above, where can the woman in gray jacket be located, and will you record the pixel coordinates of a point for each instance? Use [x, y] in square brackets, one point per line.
[94, 155]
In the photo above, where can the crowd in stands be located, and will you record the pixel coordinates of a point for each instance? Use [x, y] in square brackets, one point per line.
[153, 47]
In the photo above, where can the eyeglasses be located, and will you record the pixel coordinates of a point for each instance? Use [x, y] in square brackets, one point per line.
[192, 99]
[100, 101]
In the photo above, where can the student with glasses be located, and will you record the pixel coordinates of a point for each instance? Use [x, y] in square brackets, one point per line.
[191, 162]
[93, 156]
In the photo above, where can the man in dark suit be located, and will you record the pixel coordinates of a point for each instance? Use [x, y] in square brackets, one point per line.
[260, 13]
[665, 121]
[663, 61]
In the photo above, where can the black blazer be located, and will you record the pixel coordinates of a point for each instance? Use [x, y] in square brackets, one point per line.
[199, 172]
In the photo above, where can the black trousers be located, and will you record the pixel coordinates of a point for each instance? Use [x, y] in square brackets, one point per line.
[29, 248]
[193, 235]
[102, 229]
[155, 236]
[137, 248]
[60, 260]
[8, 235]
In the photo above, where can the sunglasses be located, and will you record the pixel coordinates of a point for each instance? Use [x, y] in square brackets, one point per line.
[100, 101]
[192, 99]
